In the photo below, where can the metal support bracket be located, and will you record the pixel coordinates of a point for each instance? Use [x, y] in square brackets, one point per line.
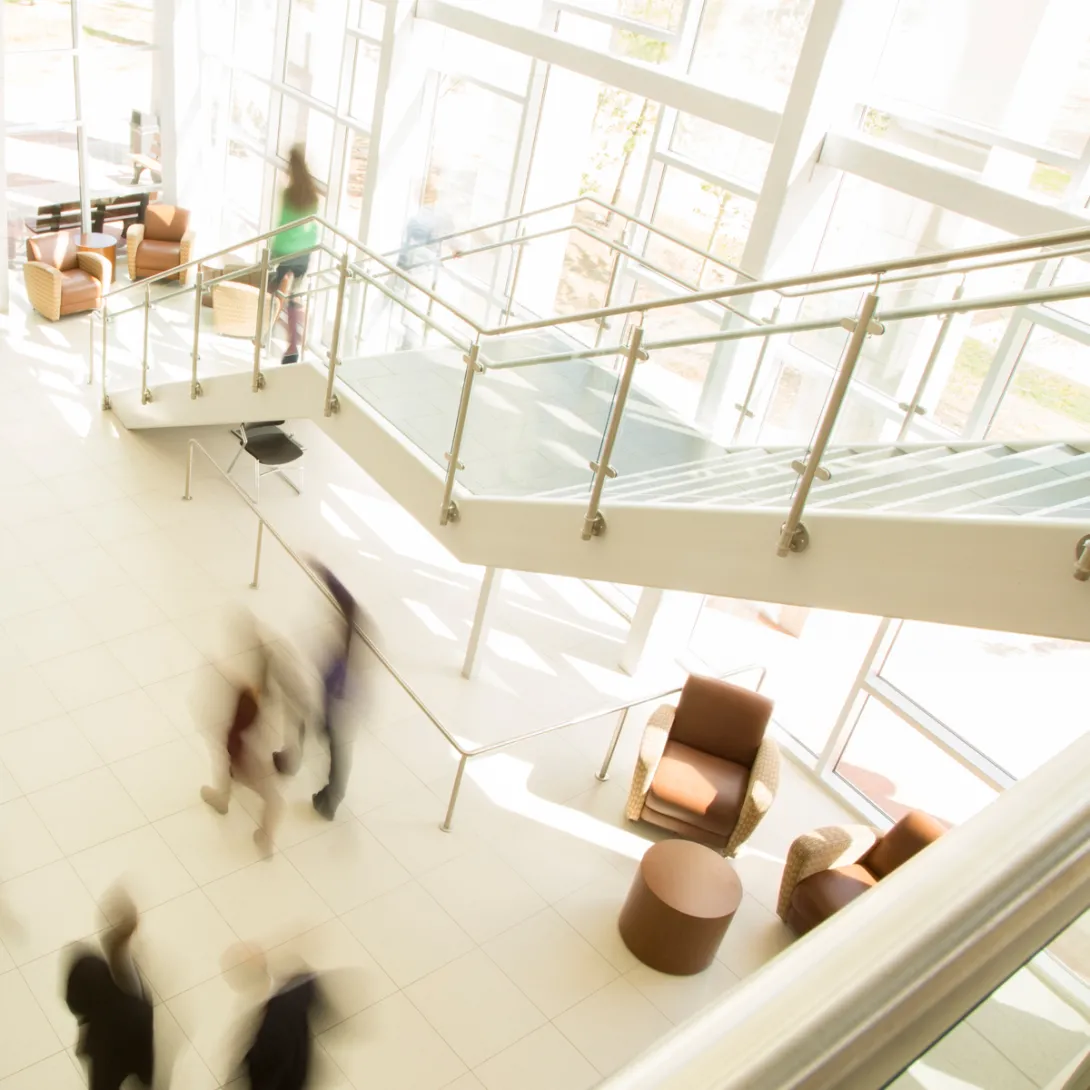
[145, 397]
[906, 406]
[1082, 558]
[596, 526]
[821, 472]
[452, 512]
[874, 327]
[800, 539]
[259, 382]
[594, 466]
[198, 389]
[743, 410]
[457, 465]
[106, 406]
[475, 362]
[334, 404]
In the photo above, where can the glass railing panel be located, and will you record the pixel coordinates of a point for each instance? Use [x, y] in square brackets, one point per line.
[1031, 1031]
[534, 430]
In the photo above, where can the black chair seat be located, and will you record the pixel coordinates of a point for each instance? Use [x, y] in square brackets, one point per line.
[273, 448]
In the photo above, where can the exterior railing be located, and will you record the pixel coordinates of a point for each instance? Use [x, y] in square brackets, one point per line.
[481, 344]
[465, 754]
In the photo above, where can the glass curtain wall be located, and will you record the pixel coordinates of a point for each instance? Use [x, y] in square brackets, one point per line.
[69, 105]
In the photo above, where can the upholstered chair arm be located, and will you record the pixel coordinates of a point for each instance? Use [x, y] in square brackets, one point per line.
[823, 849]
[98, 266]
[43, 286]
[133, 237]
[655, 736]
[764, 781]
[185, 253]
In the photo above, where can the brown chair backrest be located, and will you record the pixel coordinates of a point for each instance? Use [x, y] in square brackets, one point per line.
[58, 250]
[165, 223]
[721, 719]
[910, 835]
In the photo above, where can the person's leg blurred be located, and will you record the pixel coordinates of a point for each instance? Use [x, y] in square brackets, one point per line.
[251, 774]
[218, 795]
[330, 797]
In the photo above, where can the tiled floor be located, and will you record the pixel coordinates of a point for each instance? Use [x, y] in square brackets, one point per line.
[488, 956]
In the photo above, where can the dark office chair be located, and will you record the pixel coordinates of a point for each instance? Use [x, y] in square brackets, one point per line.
[271, 448]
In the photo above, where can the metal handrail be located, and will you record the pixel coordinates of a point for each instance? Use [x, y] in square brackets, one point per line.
[465, 755]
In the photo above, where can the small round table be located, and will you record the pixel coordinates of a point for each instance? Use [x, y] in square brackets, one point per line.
[679, 907]
[96, 242]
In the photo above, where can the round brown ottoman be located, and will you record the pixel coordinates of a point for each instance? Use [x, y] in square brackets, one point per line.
[679, 907]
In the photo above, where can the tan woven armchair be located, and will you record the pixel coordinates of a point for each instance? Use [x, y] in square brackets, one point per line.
[59, 279]
[706, 769]
[161, 242]
[830, 867]
[234, 309]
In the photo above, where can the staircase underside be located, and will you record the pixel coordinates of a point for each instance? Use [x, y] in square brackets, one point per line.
[975, 568]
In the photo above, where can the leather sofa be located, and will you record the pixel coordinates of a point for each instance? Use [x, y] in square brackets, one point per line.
[706, 769]
[59, 279]
[830, 867]
[162, 241]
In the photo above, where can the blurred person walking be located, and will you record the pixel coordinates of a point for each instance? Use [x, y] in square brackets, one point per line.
[242, 763]
[111, 1005]
[279, 1056]
[291, 248]
[335, 690]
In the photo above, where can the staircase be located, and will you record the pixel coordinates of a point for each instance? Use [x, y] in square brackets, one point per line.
[984, 534]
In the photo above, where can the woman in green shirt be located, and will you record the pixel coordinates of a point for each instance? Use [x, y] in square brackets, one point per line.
[300, 199]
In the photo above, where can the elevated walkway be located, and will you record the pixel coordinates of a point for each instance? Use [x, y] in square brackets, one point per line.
[525, 447]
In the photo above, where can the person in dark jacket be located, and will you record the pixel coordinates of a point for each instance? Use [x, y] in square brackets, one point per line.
[112, 1007]
[279, 1056]
[335, 683]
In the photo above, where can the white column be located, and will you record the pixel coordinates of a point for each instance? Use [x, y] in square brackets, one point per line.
[660, 627]
[482, 620]
[5, 273]
[840, 51]
[639, 631]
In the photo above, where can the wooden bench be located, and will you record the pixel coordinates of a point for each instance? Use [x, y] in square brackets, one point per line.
[117, 212]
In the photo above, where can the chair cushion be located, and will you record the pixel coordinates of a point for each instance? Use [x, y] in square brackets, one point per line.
[725, 720]
[58, 250]
[79, 291]
[165, 222]
[816, 898]
[697, 788]
[910, 835]
[272, 447]
[158, 256]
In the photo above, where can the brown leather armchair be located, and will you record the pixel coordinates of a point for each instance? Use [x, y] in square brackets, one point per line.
[830, 867]
[706, 769]
[162, 241]
[59, 279]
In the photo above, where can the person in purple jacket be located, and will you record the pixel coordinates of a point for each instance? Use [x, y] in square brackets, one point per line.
[335, 679]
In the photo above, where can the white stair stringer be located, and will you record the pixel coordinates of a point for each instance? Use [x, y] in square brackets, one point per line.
[981, 570]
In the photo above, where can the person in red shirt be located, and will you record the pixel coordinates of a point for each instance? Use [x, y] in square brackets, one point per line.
[243, 765]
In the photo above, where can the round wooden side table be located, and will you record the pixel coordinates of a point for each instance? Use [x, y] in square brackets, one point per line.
[679, 907]
[96, 242]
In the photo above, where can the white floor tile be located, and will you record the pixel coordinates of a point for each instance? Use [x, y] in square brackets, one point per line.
[166, 779]
[86, 810]
[612, 1026]
[543, 1060]
[268, 902]
[47, 753]
[408, 933]
[410, 830]
[124, 725]
[183, 943]
[26, 589]
[91, 571]
[55, 1073]
[118, 611]
[347, 866]
[391, 1046]
[178, 1065]
[141, 861]
[44, 910]
[351, 980]
[195, 702]
[680, 996]
[483, 894]
[25, 843]
[86, 677]
[475, 1006]
[26, 1037]
[593, 912]
[156, 653]
[378, 777]
[210, 845]
[27, 699]
[43, 976]
[548, 959]
[755, 936]
[47, 633]
[114, 519]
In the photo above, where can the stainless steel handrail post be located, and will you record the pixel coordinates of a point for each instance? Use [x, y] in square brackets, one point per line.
[145, 393]
[603, 773]
[744, 411]
[194, 383]
[603, 323]
[105, 342]
[335, 340]
[457, 786]
[788, 542]
[91, 348]
[594, 521]
[188, 495]
[449, 510]
[513, 286]
[259, 324]
[257, 553]
[913, 408]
